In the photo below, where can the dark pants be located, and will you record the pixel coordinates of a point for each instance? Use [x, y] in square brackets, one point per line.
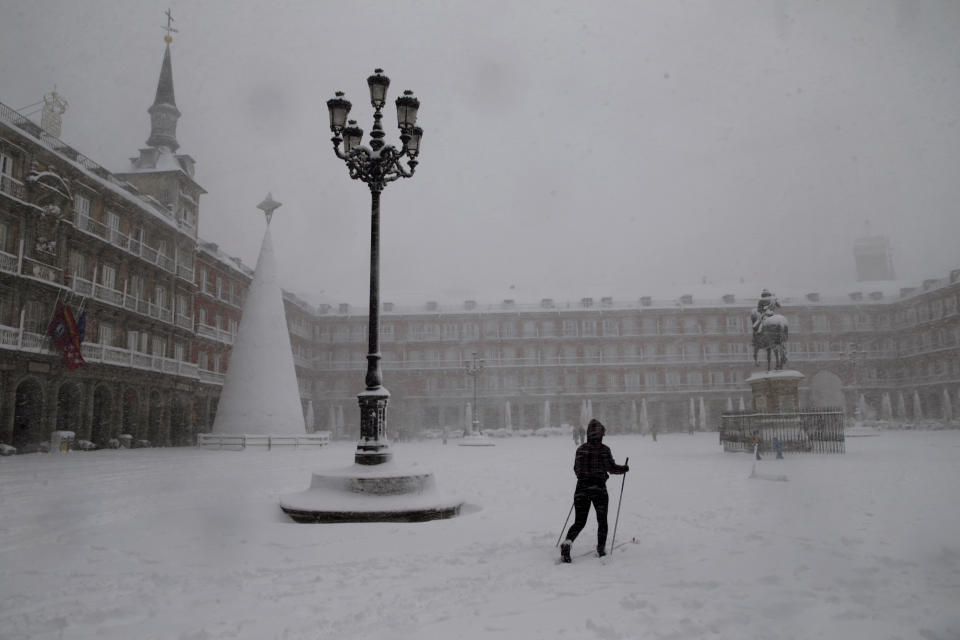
[588, 493]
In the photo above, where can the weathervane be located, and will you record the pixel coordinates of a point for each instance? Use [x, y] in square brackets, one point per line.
[267, 206]
[169, 28]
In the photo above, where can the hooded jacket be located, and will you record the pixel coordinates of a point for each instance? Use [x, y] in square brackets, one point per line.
[593, 460]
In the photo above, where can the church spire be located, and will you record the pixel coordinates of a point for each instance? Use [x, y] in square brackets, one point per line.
[164, 113]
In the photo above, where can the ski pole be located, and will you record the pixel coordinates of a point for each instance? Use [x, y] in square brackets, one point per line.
[564, 526]
[619, 502]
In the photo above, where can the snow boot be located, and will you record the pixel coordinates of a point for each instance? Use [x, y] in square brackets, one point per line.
[565, 551]
[601, 551]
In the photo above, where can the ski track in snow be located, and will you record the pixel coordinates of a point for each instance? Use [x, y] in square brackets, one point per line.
[187, 544]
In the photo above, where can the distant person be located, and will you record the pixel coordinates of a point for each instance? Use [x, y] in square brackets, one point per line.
[653, 432]
[778, 447]
[756, 445]
[592, 463]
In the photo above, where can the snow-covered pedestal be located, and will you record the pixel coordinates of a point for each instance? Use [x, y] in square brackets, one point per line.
[475, 439]
[387, 492]
[776, 391]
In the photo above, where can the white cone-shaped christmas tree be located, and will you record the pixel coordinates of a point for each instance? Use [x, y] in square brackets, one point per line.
[260, 393]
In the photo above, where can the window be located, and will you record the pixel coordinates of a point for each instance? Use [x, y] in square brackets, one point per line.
[651, 380]
[589, 328]
[451, 331]
[183, 305]
[6, 164]
[691, 325]
[108, 276]
[820, 322]
[202, 359]
[672, 378]
[78, 264]
[106, 334]
[569, 328]
[160, 296]
[35, 317]
[81, 208]
[179, 352]
[734, 324]
[234, 327]
[219, 287]
[694, 378]
[529, 329]
[137, 286]
[716, 378]
[611, 327]
[159, 347]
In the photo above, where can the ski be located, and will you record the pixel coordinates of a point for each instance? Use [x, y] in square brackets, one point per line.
[593, 552]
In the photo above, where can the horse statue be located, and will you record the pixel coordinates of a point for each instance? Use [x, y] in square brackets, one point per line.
[769, 332]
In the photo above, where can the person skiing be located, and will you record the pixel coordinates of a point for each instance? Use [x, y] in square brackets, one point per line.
[592, 463]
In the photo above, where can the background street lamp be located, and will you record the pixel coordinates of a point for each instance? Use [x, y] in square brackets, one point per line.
[474, 368]
[376, 165]
[855, 358]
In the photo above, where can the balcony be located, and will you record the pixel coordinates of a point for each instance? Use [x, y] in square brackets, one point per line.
[16, 338]
[9, 262]
[132, 246]
[12, 187]
[214, 333]
[127, 301]
[41, 271]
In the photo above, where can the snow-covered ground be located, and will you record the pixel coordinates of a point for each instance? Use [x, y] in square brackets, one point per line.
[187, 544]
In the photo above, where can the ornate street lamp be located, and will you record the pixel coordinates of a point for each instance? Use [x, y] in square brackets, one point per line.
[376, 165]
[474, 368]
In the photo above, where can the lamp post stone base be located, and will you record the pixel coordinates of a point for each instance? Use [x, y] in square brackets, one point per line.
[363, 493]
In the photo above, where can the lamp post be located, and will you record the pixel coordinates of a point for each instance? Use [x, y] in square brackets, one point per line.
[474, 368]
[377, 165]
[854, 356]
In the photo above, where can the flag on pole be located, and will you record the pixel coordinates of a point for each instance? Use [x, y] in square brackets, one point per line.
[82, 326]
[66, 336]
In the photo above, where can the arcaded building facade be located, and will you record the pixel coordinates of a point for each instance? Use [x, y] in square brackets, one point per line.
[684, 359]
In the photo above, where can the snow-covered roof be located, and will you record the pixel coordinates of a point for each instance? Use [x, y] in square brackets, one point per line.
[69, 156]
[695, 296]
[224, 259]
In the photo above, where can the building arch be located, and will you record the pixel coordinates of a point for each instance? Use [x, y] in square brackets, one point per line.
[180, 430]
[129, 412]
[69, 407]
[826, 389]
[155, 430]
[28, 427]
[101, 427]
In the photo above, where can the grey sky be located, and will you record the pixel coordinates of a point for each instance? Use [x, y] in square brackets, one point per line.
[571, 149]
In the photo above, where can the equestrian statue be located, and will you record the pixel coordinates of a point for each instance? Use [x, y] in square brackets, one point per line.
[769, 331]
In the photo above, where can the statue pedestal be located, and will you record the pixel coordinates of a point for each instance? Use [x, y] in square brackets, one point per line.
[776, 391]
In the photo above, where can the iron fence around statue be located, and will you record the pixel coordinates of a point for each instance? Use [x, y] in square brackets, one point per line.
[815, 431]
